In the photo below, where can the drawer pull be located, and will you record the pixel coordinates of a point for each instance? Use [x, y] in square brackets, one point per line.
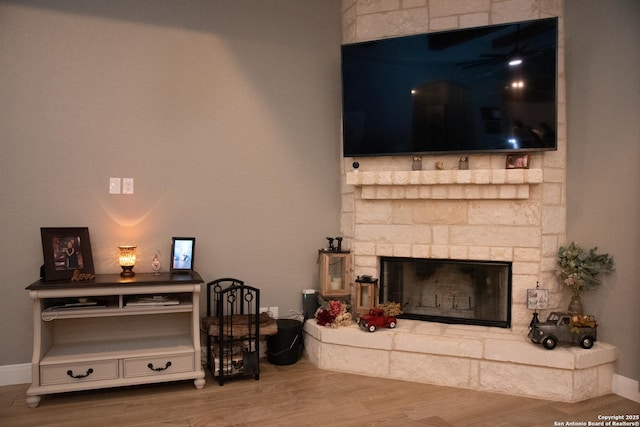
[89, 372]
[150, 366]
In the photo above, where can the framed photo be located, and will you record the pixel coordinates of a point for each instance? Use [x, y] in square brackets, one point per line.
[66, 250]
[183, 250]
[537, 299]
[518, 161]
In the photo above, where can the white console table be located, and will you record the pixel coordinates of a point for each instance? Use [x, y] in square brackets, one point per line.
[114, 331]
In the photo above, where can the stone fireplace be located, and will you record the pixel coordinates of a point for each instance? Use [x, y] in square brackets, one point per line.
[513, 217]
[488, 213]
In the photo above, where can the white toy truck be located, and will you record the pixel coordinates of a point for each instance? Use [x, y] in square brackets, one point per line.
[566, 328]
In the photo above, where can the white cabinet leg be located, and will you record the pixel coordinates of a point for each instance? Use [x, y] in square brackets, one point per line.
[199, 383]
[33, 401]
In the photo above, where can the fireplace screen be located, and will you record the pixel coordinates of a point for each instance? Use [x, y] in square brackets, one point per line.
[449, 291]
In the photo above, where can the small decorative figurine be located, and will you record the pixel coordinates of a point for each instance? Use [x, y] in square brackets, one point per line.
[463, 163]
[155, 263]
[417, 163]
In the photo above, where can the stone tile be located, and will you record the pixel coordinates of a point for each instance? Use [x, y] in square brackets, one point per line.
[376, 6]
[547, 383]
[443, 23]
[514, 10]
[475, 235]
[458, 7]
[402, 250]
[504, 213]
[384, 249]
[393, 23]
[353, 336]
[479, 19]
[355, 360]
[599, 354]
[421, 251]
[438, 345]
[440, 251]
[444, 212]
[585, 384]
[526, 352]
[407, 4]
[526, 254]
[418, 367]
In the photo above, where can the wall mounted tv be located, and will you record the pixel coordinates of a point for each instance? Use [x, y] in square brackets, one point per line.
[452, 91]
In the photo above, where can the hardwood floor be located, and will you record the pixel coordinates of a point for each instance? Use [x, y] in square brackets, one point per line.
[299, 395]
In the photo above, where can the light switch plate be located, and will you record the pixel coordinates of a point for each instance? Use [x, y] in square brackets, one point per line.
[114, 185]
[127, 185]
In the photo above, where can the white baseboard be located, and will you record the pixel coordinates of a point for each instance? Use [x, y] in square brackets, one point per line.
[626, 387]
[21, 374]
[15, 374]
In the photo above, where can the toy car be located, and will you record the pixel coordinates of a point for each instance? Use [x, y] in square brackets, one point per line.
[567, 328]
[376, 318]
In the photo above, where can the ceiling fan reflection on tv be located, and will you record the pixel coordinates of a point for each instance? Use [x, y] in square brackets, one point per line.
[517, 55]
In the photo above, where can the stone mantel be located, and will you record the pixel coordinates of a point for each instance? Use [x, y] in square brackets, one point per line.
[491, 184]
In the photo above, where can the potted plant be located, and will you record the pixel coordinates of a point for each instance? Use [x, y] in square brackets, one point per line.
[580, 270]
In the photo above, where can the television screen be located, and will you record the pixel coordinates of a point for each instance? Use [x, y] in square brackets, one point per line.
[484, 89]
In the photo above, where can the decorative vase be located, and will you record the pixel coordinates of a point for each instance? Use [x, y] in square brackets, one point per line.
[575, 306]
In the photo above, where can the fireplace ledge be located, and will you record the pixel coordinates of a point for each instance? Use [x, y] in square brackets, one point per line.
[464, 356]
[446, 184]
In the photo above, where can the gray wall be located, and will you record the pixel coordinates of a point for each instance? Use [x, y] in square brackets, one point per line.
[226, 114]
[603, 170]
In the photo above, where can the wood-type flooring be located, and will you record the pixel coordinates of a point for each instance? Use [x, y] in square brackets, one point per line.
[301, 395]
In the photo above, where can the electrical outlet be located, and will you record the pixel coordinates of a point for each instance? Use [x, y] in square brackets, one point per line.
[114, 185]
[274, 312]
[127, 185]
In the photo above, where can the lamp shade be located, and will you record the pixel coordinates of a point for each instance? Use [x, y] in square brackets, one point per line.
[127, 259]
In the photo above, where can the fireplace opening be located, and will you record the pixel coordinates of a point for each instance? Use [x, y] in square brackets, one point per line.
[449, 291]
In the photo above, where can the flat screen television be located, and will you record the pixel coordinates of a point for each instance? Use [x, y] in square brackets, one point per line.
[483, 89]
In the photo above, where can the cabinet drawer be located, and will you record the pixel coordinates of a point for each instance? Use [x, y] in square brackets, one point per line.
[69, 373]
[161, 365]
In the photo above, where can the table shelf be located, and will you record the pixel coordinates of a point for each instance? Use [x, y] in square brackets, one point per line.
[115, 343]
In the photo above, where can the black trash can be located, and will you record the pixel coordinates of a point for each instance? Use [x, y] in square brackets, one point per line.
[285, 347]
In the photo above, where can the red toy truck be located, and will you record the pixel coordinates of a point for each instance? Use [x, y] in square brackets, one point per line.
[376, 318]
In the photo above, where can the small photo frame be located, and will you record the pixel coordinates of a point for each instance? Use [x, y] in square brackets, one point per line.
[183, 250]
[66, 250]
[517, 161]
[537, 299]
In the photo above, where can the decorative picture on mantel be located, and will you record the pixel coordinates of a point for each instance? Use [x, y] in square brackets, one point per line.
[518, 161]
[182, 253]
[66, 251]
[537, 299]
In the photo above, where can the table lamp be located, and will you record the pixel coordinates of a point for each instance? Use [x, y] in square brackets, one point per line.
[127, 260]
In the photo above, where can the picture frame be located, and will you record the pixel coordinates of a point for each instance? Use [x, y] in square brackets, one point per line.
[517, 161]
[537, 299]
[67, 252]
[183, 251]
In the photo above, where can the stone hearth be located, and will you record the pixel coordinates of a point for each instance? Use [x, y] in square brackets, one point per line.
[458, 356]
